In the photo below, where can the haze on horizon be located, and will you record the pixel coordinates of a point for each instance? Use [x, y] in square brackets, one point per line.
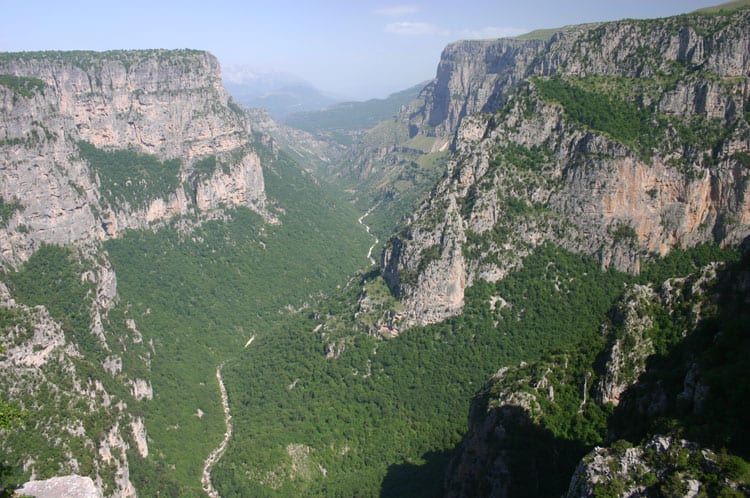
[351, 49]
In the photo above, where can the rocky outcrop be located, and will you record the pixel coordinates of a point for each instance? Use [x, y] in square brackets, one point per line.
[69, 486]
[514, 446]
[41, 376]
[141, 389]
[626, 357]
[527, 168]
[675, 467]
[31, 348]
[434, 278]
[632, 332]
[138, 428]
[112, 451]
[504, 414]
[166, 104]
[696, 325]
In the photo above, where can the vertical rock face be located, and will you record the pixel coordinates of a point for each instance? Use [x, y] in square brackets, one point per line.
[472, 77]
[167, 104]
[499, 419]
[626, 358]
[532, 163]
[434, 277]
[479, 75]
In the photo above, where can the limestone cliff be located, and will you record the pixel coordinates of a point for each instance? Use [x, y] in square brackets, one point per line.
[472, 77]
[479, 76]
[169, 105]
[619, 140]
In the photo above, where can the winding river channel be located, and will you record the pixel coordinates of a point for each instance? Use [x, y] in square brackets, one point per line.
[216, 454]
[367, 227]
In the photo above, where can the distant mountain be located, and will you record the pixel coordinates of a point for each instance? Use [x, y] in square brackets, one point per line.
[282, 101]
[352, 116]
[261, 80]
[279, 93]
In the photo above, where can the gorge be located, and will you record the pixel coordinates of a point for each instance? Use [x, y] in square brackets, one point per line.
[530, 281]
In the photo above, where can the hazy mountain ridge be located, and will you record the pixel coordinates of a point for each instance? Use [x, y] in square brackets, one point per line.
[353, 117]
[284, 101]
[280, 94]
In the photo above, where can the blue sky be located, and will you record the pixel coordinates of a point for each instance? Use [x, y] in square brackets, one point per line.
[356, 49]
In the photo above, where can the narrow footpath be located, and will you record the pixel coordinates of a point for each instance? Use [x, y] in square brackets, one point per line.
[216, 454]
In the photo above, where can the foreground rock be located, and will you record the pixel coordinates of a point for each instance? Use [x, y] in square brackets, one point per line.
[61, 487]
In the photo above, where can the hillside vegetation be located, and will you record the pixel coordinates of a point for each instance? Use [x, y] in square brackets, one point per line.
[197, 296]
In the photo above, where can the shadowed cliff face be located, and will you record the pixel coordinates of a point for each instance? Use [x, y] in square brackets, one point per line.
[620, 140]
[169, 105]
[511, 455]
